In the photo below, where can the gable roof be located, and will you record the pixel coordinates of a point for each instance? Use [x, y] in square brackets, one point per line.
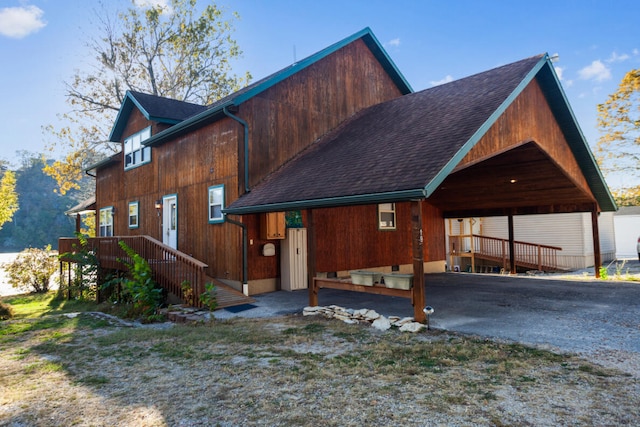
[154, 108]
[404, 148]
[216, 110]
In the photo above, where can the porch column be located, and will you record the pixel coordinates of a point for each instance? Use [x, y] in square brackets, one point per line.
[512, 246]
[417, 238]
[597, 257]
[311, 259]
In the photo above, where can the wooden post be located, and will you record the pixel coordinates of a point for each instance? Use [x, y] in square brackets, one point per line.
[512, 246]
[311, 259]
[417, 238]
[597, 258]
[78, 223]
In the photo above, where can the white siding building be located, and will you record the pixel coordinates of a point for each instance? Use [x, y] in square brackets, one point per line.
[570, 231]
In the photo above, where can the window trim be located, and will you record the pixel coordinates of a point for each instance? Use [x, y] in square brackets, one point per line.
[212, 190]
[142, 149]
[107, 226]
[392, 211]
[137, 214]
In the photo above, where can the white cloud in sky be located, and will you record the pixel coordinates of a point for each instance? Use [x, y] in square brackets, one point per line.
[145, 4]
[19, 22]
[560, 73]
[595, 71]
[447, 79]
[393, 43]
[618, 58]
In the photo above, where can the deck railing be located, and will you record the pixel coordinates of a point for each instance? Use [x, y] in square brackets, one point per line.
[527, 255]
[170, 267]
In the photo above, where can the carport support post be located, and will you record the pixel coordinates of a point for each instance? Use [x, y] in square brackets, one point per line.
[512, 247]
[597, 258]
[417, 238]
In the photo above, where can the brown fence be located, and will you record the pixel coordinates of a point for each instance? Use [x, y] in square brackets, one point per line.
[528, 255]
[170, 267]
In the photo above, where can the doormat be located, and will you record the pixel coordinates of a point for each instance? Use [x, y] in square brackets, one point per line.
[239, 308]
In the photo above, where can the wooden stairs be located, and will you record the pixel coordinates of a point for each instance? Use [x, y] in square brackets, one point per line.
[227, 296]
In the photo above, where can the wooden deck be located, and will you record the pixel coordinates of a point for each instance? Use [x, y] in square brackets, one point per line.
[227, 296]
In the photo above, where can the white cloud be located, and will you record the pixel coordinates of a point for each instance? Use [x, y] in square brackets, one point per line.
[636, 52]
[147, 4]
[618, 58]
[447, 79]
[19, 22]
[596, 71]
[394, 43]
[560, 73]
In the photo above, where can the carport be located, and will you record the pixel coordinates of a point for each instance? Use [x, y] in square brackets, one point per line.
[504, 142]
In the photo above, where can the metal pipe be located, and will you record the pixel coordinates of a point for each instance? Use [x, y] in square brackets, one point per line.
[246, 146]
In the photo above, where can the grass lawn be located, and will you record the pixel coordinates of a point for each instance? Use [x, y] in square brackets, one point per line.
[63, 364]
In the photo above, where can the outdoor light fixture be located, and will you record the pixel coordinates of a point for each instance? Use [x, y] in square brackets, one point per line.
[513, 181]
[158, 206]
[428, 310]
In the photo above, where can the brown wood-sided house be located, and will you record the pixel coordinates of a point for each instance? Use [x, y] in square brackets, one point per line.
[338, 145]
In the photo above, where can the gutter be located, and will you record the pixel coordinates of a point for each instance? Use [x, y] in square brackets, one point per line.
[245, 245]
[244, 124]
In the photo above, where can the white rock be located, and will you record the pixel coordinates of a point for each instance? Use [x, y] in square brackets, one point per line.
[350, 321]
[412, 327]
[381, 323]
[372, 315]
[403, 321]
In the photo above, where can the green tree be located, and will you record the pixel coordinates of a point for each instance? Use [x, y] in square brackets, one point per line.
[166, 51]
[41, 219]
[8, 197]
[618, 149]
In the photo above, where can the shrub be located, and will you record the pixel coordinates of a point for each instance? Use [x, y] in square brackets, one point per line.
[139, 286]
[85, 269]
[6, 311]
[208, 297]
[32, 269]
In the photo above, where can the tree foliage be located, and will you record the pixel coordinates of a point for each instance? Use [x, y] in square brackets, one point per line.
[618, 149]
[32, 269]
[166, 51]
[8, 197]
[41, 219]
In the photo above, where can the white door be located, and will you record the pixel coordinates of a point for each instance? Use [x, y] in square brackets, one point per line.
[294, 260]
[170, 221]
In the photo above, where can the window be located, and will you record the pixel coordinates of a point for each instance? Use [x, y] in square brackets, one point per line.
[135, 153]
[216, 203]
[387, 216]
[106, 222]
[133, 214]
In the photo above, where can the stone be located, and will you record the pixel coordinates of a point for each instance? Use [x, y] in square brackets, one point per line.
[412, 327]
[381, 323]
[371, 315]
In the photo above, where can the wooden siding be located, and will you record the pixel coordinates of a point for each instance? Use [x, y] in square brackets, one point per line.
[349, 238]
[529, 118]
[288, 117]
[547, 176]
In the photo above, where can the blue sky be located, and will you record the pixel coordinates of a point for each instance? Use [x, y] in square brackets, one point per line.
[41, 43]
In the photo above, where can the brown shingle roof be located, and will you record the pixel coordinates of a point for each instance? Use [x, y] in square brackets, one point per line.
[392, 150]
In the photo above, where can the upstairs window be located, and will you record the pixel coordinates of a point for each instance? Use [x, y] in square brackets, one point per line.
[136, 154]
[216, 203]
[387, 216]
[106, 222]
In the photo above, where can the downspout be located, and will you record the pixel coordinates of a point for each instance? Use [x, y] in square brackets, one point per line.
[246, 146]
[245, 238]
[245, 245]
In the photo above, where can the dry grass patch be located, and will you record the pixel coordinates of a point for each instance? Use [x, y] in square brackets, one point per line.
[292, 371]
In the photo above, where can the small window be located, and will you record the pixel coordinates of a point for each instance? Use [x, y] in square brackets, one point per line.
[106, 222]
[135, 153]
[216, 204]
[134, 208]
[387, 216]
